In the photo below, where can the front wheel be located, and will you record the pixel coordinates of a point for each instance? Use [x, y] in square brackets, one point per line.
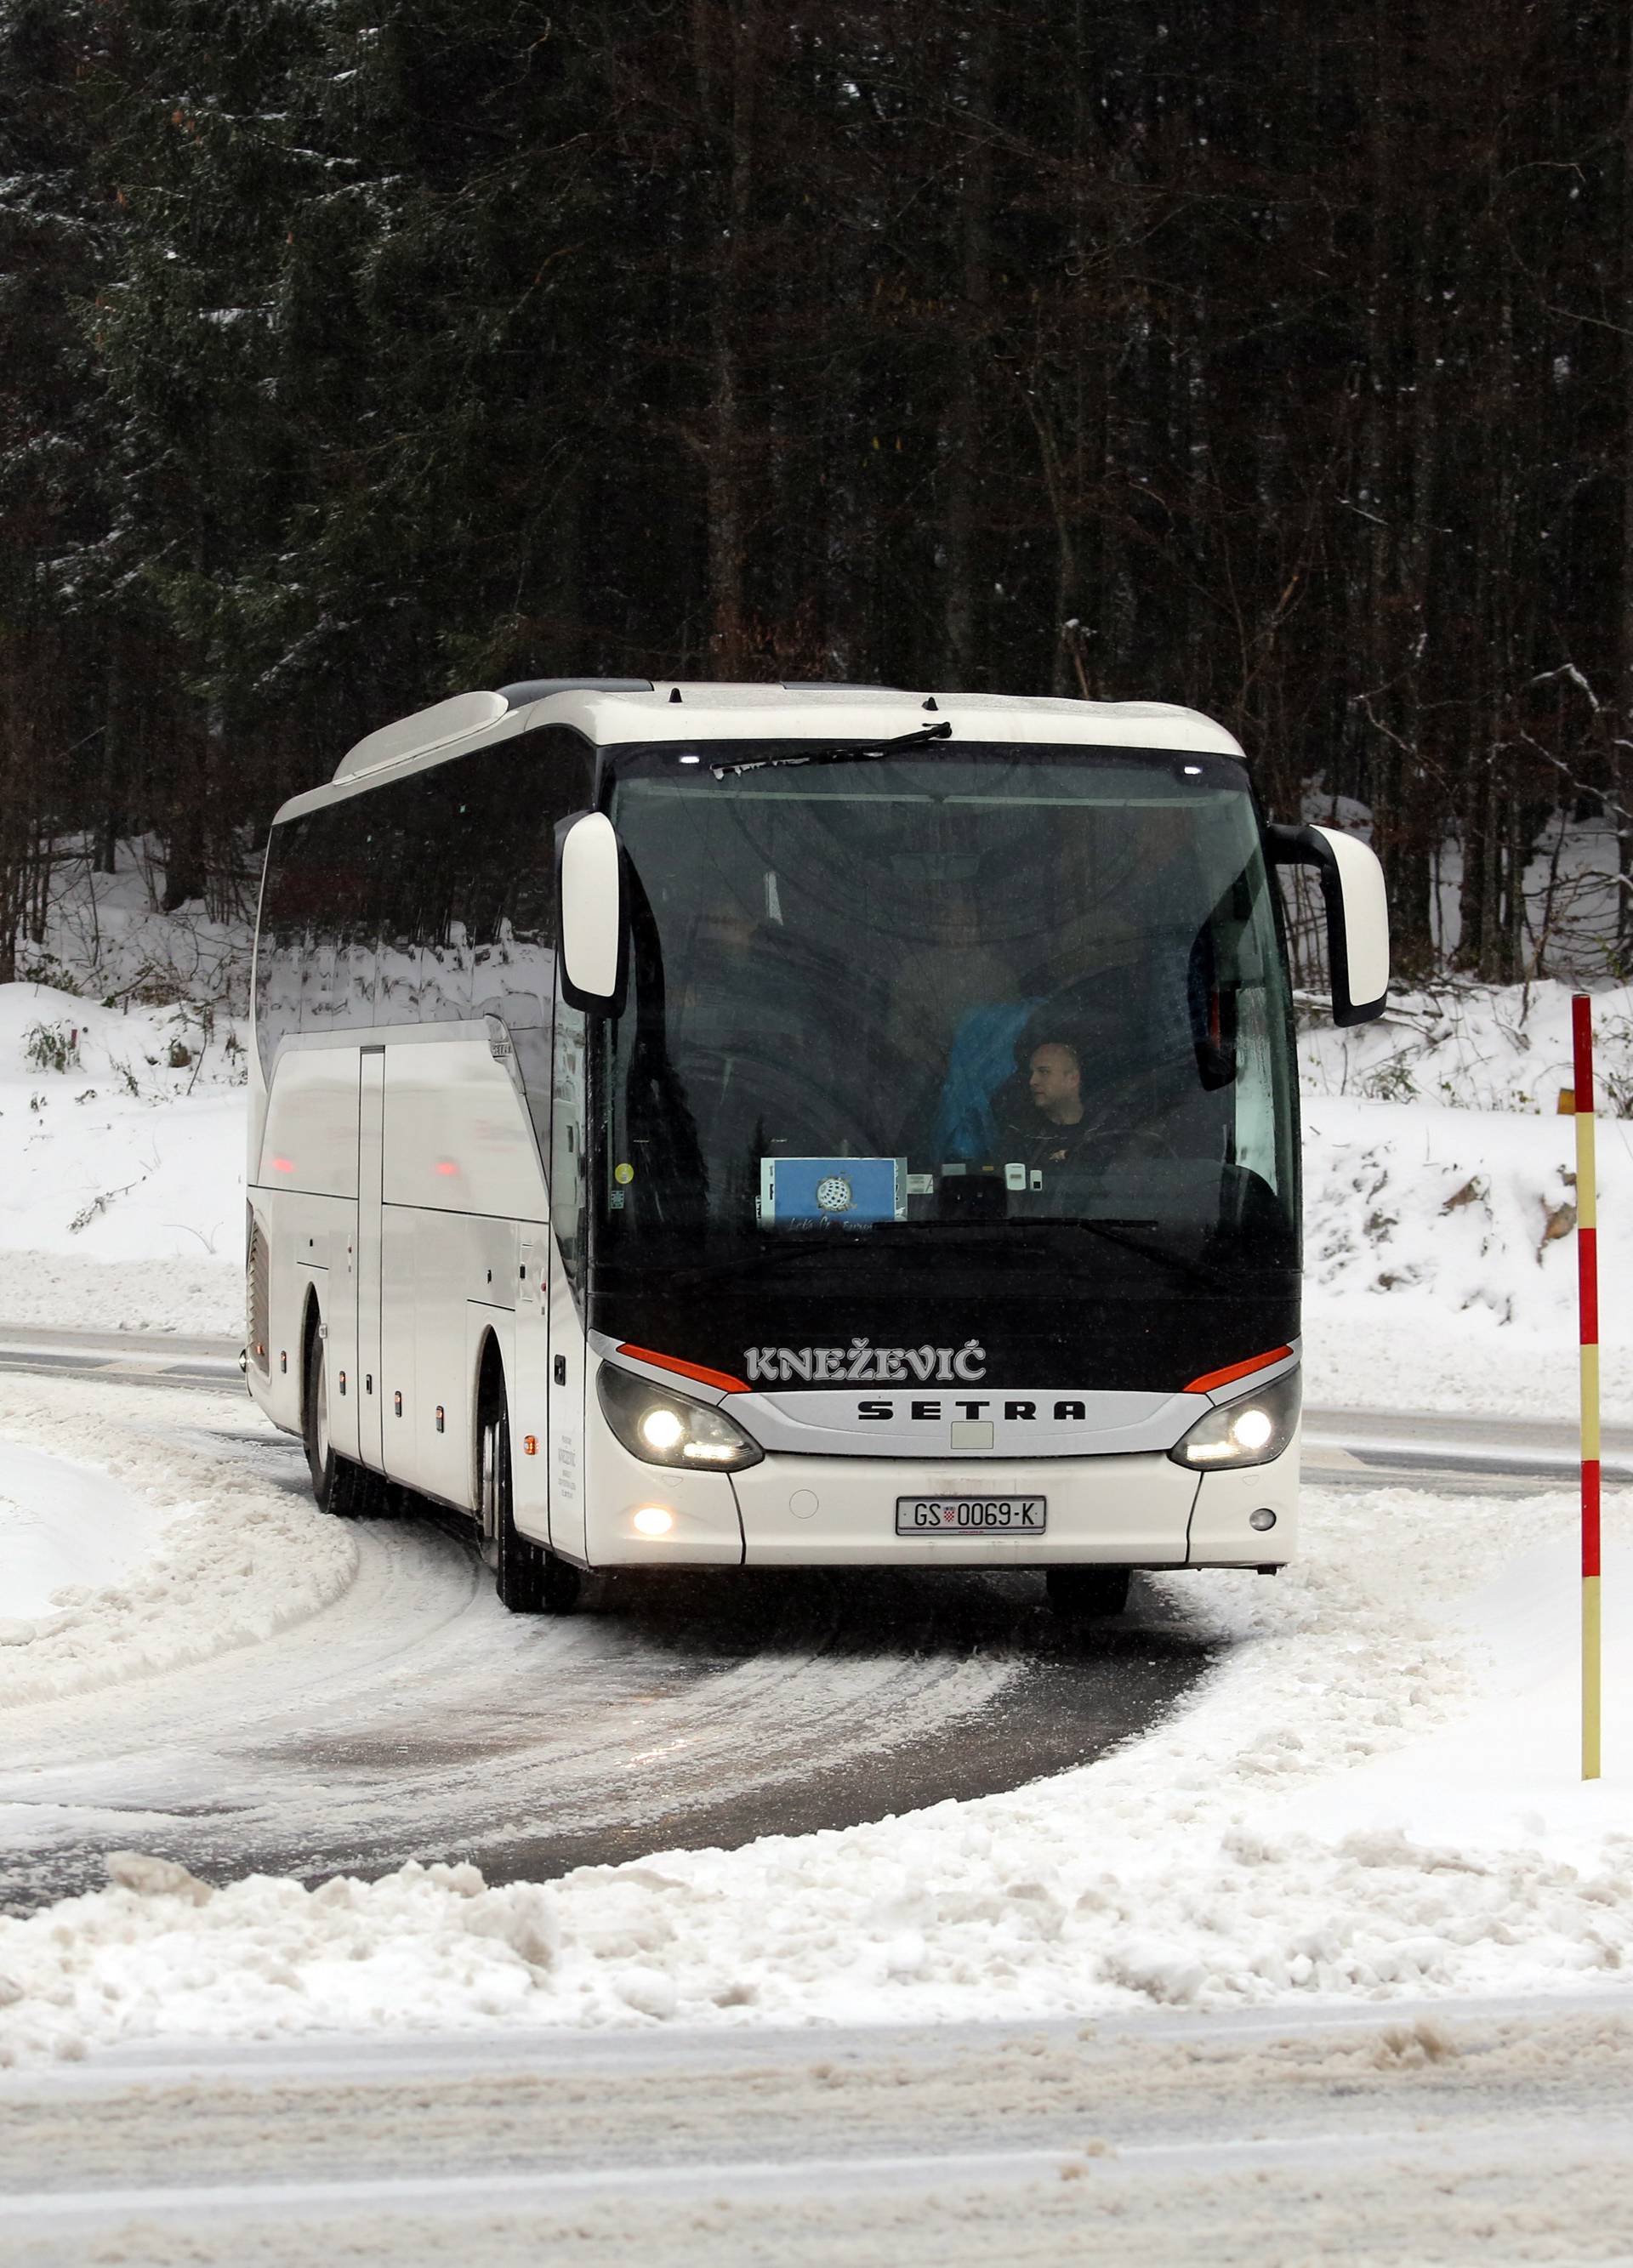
[1080, 1594]
[528, 1576]
[345, 1489]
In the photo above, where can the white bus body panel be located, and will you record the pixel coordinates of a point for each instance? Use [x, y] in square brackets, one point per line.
[708, 1531]
[1220, 1534]
[1112, 1508]
[566, 1527]
[393, 1175]
[1118, 1511]
[370, 1255]
[527, 1376]
[309, 1136]
[924, 1421]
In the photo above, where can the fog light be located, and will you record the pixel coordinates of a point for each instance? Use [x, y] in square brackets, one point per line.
[652, 1520]
[1262, 1519]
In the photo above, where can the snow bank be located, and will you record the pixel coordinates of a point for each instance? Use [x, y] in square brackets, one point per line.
[214, 1559]
[1253, 1850]
[1440, 1269]
[1474, 1047]
[63, 1525]
[122, 1130]
[68, 1292]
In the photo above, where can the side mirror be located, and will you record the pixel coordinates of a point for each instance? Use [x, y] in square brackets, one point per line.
[1357, 914]
[590, 896]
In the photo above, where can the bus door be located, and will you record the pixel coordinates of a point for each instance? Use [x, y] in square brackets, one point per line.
[371, 1153]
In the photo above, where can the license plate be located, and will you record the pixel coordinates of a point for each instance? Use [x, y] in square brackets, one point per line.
[970, 1515]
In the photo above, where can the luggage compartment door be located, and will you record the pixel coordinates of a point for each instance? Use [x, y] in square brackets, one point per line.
[371, 1153]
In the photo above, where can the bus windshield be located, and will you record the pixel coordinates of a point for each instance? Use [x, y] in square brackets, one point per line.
[944, 998]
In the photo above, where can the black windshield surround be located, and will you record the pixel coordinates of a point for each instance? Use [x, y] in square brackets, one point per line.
[1042, 986]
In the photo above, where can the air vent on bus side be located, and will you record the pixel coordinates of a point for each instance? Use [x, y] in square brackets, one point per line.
[259, 1288]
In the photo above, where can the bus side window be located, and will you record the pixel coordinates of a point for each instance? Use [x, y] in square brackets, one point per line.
[546, 776]
[397, 980]
[278, 964]
[446, 824]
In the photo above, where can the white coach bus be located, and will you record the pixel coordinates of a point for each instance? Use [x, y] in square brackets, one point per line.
[719, 1125]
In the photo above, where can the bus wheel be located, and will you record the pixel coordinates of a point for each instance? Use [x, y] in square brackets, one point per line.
[529, 1578]
[1080, 1594]
[346, 1490]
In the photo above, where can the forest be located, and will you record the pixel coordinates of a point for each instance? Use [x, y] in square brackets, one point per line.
[1273, 359]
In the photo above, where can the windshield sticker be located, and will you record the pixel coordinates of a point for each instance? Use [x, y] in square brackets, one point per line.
[864, 1364]
[853, 1191]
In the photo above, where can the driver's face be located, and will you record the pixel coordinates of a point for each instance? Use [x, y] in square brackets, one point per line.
[1054, 1077]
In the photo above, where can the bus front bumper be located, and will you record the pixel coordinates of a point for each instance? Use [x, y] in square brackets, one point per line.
[1133, 1511]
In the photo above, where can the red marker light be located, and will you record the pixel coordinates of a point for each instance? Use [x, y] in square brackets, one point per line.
[699, 1370]
[1232, 1371]
[283, 1165]
[446, 1167]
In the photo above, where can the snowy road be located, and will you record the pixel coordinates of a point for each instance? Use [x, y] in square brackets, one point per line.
[610, 2081]
[1491, 2130]
[408, 1716]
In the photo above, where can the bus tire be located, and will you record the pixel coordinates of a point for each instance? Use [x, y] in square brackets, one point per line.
[344, 1489]
[1082, 1594]
[528, 1576]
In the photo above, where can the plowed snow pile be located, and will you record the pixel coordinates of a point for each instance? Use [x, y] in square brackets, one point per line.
[1375, 1795]
[1439, 1199]
[138, 1560]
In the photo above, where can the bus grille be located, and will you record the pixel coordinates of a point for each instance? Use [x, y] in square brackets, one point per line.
[258, 1293]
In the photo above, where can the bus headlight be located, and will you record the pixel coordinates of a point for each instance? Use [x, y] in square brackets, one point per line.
[662, 1428]
[1250, 1431]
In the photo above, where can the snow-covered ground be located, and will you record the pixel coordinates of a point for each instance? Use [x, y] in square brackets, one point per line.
[121, 1070]
[1374, 1795]
[132, 1562]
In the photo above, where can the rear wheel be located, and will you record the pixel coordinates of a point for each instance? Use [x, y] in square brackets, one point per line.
[1080, 1594]
[528, 1576]
[345, 1489]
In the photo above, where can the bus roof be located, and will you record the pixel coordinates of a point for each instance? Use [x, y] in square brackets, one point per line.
[613, 711]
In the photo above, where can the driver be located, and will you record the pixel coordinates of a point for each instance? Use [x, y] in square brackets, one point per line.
[1056, 1128]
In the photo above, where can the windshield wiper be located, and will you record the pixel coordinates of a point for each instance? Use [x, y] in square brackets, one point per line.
[871, 755]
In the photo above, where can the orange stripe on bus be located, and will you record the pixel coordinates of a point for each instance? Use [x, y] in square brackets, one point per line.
[1212, 1378]
[704, 1376]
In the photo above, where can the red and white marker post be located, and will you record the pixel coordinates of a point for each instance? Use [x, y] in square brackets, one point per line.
[1587, 1289]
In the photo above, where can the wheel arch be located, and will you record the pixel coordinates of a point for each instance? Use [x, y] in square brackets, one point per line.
[489, 1390]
